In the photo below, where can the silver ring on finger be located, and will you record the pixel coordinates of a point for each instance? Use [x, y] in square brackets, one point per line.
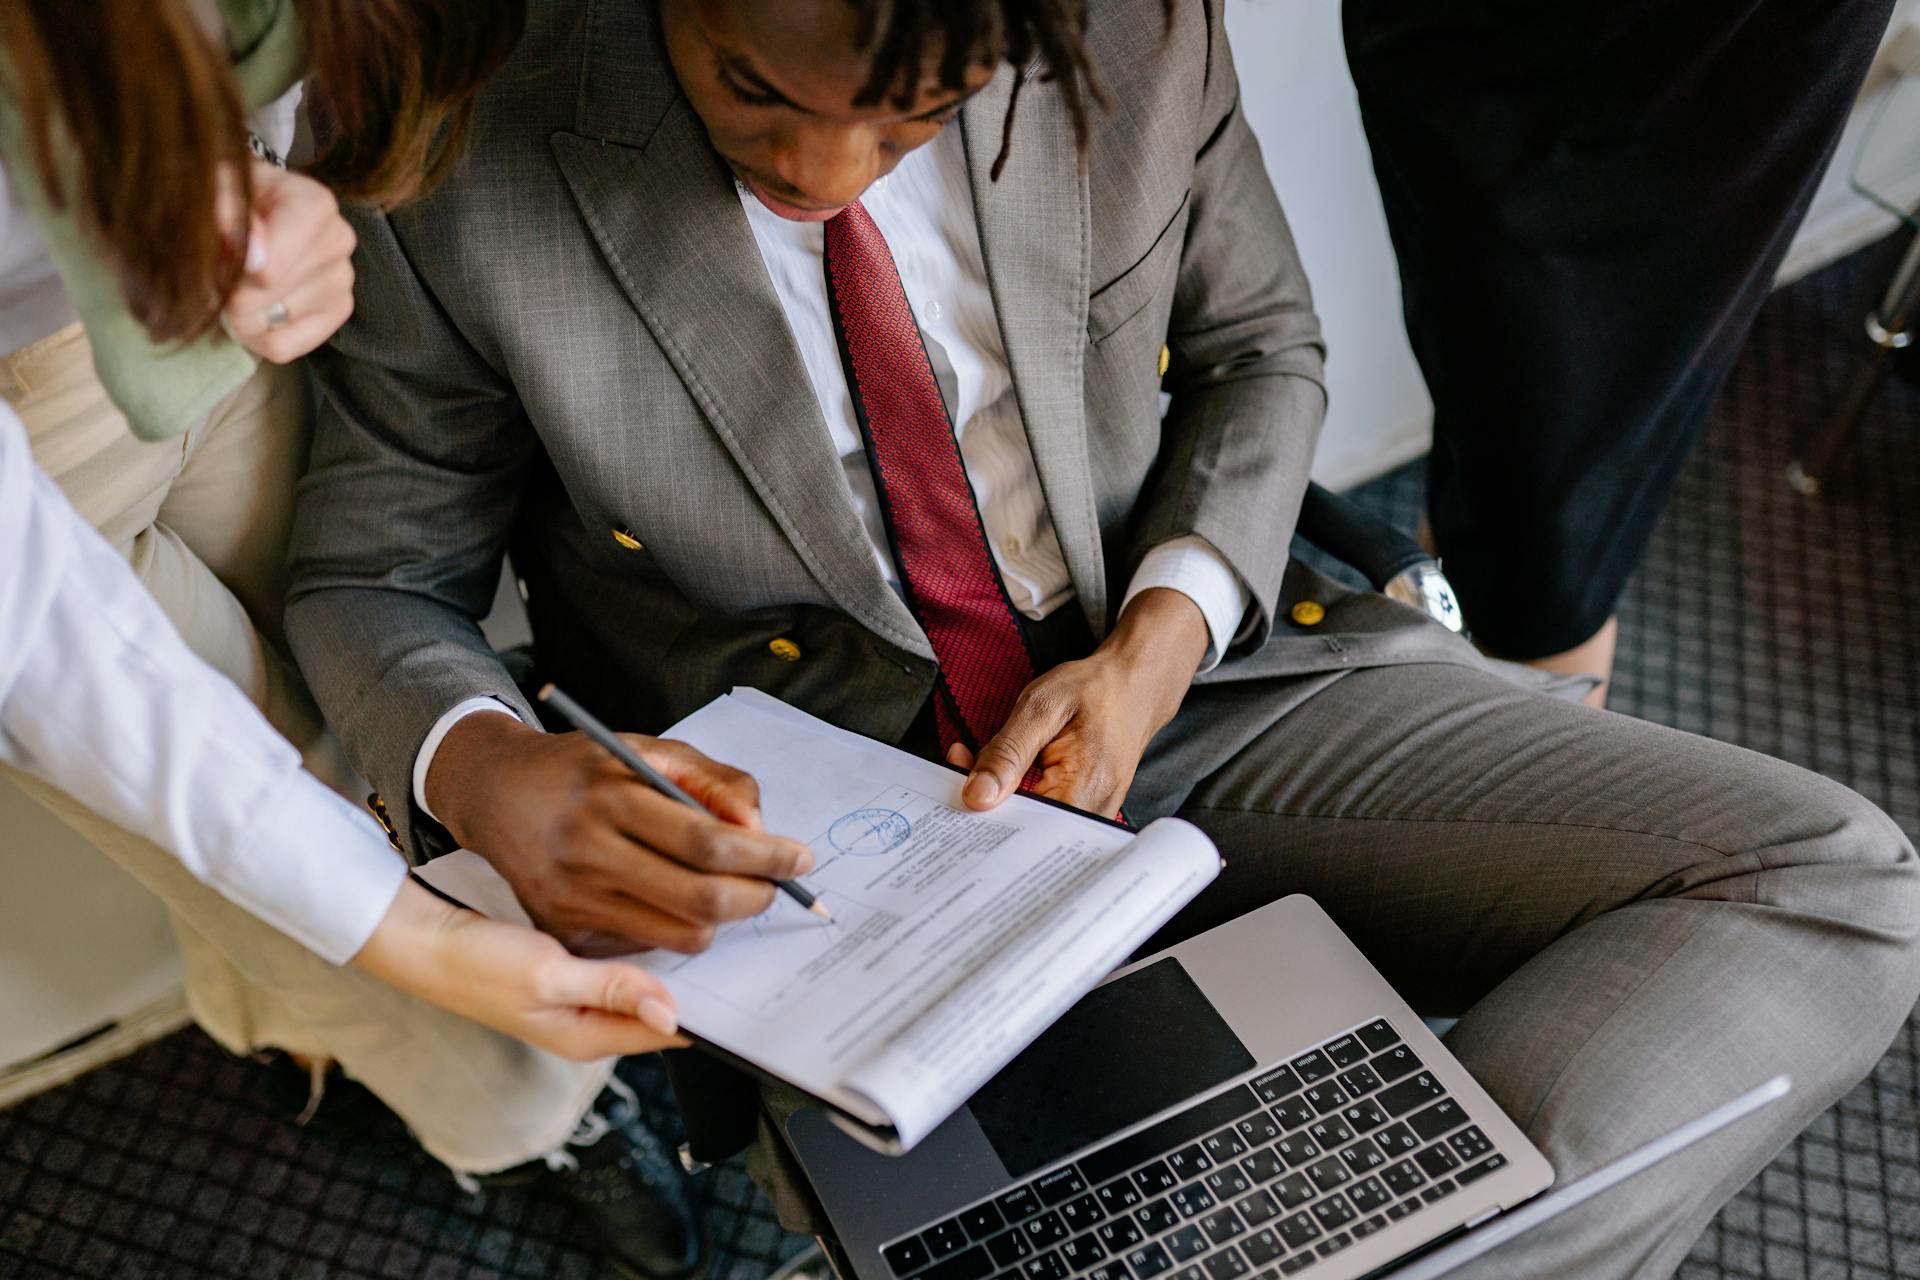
[278, 317]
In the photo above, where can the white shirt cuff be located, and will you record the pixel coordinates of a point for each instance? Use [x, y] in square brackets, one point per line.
[1192, 567]
[438, 734]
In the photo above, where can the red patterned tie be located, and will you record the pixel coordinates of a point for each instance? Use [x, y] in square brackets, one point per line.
[939, 543]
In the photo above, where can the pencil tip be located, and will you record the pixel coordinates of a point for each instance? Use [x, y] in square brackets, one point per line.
[820, 909]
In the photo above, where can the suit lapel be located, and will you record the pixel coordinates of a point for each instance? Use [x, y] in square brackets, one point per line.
[1035, 237]
[664, 211]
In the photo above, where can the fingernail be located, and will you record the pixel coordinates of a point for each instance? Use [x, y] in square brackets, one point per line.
[659, 1015]
[806, 863]
[982, 788]
[256, 255]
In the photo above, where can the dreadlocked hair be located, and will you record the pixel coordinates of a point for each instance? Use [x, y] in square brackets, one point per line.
[971, 32]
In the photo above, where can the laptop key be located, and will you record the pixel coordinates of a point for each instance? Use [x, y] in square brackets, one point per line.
[1061, 1184]
[1294, 1190]
[1360, 1081]
[1398, 1140]
[1395, 1062]
[1369, 1194]
[1346, 1052]
[1222, 1225]
[1119, 1234]
[981, 1221]
[1333, 1244]
[1331, 1133]
[1192, 1271]
[1442, 1117]
[1492, 1164]
[1403, 1178]
[1299, 1230]
[1227, 1183]
[906, 1256]
[1363, 1157]
[1082, 1212]
[1082, 1252]
[1156, 1216]
[1276, 1085]
[944, 1238]
[1312, 1066]
[1225, 1264]
[1367, 1226]
[1112, 1269]
[1192, 1199]
[1045, 1266]
[1262, 1165]
[1148, 1261]
[1439, 1191]
[1018, 1203]
[1263, 1246]
[1329, 1173]
[1119, 1195]
[969, 1264]
[1155, 1178]
[1224, 1146]
[1365, 1115]
[1185, 1244]
[1292, 1113]
[1470, 1144]
[1414, 1091]
[1008, 1248]
[1045, 1231]
[1257, 1208]
[1297, 1263]
[1296, 1150]
[1437, 1161]
[1189, 1162]
[1395, 1212]
[1326, 1097]
[1378, 1035]
[1258, 1130]
[1333, 1212]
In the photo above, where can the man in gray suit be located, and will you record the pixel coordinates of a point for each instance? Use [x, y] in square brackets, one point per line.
[781, 355]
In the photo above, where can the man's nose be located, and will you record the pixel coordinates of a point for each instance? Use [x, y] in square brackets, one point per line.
[829, 164]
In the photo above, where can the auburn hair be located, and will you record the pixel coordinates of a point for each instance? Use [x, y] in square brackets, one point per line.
[133, 124]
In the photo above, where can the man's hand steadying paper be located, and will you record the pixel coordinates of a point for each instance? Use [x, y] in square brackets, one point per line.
[1088, 723]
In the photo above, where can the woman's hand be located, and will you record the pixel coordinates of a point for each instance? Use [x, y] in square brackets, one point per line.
[298, 286]
[518, 980]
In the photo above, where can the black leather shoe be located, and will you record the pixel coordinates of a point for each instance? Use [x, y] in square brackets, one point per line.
[629, 1188]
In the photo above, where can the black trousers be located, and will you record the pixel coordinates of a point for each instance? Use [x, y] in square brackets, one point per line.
[1588, 203]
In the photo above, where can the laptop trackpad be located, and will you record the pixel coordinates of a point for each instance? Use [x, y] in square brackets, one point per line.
[1136, 1045]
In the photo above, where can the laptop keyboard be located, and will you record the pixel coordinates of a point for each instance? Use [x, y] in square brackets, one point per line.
[1262, 1181]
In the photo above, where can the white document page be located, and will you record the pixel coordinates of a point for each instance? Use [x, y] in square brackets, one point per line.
[957, 937]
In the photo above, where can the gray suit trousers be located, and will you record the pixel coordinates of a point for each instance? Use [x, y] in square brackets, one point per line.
[1632, 923]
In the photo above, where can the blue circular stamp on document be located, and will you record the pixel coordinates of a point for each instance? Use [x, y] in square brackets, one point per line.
[866, 832]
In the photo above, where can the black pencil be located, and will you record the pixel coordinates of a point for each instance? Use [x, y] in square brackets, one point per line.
[586, 722]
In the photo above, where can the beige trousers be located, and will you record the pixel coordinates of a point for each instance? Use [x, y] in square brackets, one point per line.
[204, 521]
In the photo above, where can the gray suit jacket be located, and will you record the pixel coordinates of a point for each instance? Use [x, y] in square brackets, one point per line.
[573, 352]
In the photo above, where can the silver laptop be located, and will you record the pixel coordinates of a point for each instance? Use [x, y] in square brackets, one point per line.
[1253, 1102]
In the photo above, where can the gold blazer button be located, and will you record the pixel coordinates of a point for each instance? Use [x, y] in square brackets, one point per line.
[1309, 613]
[378, 808]
[1166, 359]
[784, 649]
[626, 539]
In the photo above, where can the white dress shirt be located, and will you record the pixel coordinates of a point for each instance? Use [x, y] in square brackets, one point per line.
[924, 208]
[100, 697]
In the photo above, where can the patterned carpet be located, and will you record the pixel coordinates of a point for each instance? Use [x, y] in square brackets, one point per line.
[1761, 617]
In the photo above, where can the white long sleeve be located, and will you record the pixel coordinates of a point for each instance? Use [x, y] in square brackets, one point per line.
[100, 697]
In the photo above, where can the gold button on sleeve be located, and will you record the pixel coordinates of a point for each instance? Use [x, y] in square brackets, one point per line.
[784, 649]
[1308, 613]
[1166, 359]
[626, 539]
